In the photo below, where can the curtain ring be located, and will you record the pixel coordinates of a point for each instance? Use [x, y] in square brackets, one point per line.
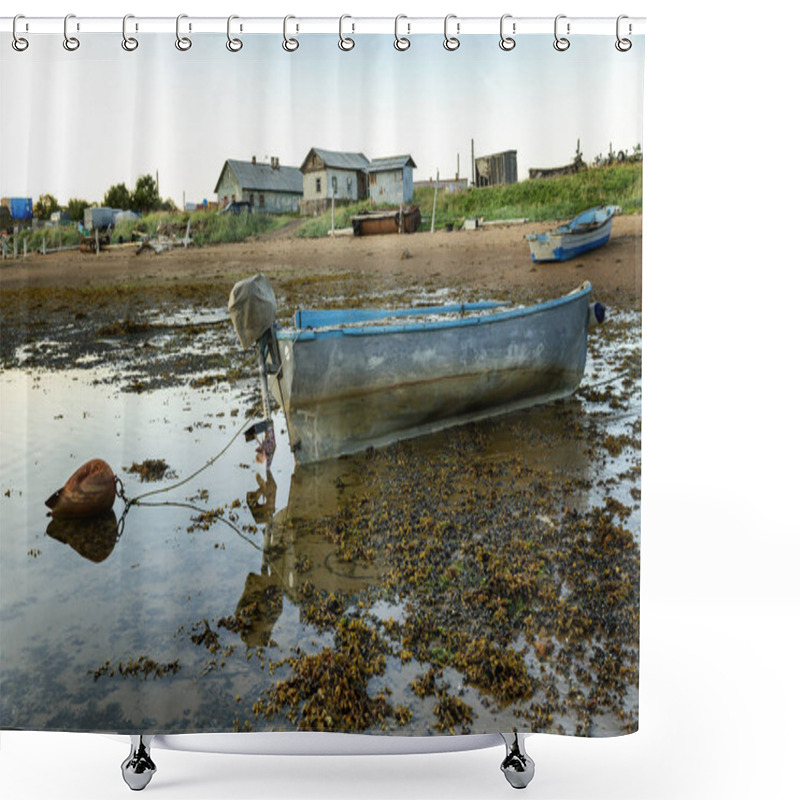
[623, 45]
[290, 45]
[128, 42]
[183, 43]
[507, 42]
[561, 43]
[19, 43]
[451, 42]
[401, 42]
[345, 42]
[233, 44]
[71, 43]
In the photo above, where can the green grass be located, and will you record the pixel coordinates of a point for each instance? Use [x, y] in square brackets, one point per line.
[321, 224]
[540, 199]
[53, 237]
[207, 227]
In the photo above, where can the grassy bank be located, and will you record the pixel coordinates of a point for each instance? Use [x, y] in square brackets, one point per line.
[540, 199]
[207, 227]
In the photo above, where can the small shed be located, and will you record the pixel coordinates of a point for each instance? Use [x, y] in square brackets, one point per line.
[331, 173]
[496, 169]
[391, 180]
[269, 188]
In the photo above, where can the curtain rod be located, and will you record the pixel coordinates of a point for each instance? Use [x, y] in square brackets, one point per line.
[404, 25]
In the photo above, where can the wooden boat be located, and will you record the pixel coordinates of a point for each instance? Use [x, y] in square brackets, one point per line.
[350, 380]
[369, 223]
[590, 229]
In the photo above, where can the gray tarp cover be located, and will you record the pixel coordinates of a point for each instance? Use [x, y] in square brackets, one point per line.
[252, 308]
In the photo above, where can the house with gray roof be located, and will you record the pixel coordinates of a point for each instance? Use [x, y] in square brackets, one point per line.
[391, 180]
[269, 188]
[331, 173]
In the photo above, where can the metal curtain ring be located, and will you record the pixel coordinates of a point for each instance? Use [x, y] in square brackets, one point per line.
[345, 42]
[561, 43]
[71, 43]
[290, 45]
[451, 42]
[19, 43]
[623, 45]
[128, 42]
[233, 44]
[401, 42]
[507, 42]
[183, 43]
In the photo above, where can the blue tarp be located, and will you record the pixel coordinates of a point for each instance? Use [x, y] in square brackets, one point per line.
[21, 207]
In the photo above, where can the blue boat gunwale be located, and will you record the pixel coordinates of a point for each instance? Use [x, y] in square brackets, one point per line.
[308, 334]
[576, 225]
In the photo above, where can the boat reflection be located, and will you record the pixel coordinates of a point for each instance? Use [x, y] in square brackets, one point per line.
[297, 559]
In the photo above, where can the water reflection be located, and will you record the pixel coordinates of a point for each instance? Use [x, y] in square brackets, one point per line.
[94, 538]
[296, 558]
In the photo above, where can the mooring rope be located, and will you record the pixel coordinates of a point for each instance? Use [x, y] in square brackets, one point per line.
[120, 488]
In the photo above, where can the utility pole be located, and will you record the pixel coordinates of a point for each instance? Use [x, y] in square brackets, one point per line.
[472, 144]
[435, 192]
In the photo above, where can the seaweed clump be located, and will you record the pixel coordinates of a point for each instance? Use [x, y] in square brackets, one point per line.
[329, 690]
[151, 469]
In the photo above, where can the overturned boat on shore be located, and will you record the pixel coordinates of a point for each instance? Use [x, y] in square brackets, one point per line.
[352, 379]
[590, 229]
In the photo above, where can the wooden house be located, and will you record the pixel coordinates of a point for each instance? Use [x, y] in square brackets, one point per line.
[269, 188]
[332, 174]
[391, 180]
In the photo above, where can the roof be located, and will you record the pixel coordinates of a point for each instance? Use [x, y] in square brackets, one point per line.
[337, 159]
[390, 163]
[263, 177]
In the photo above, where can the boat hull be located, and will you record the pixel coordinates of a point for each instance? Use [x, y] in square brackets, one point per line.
[348, 389]
[590, 229]
[375, 223]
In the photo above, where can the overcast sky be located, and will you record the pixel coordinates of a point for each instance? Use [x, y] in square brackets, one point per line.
[73, 124]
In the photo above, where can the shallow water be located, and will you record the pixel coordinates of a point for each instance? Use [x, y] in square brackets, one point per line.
[178, 622]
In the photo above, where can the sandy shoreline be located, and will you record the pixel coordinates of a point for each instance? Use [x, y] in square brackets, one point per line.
[493, 258]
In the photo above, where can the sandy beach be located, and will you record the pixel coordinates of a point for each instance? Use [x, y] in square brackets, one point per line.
[494, 258]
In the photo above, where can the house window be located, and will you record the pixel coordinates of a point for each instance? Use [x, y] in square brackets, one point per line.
[349, 185]
[334, 184]
[252, 201]
[261, 201]
[319, 185]
[373, 179]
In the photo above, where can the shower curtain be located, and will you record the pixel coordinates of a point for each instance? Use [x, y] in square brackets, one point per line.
[474, 571]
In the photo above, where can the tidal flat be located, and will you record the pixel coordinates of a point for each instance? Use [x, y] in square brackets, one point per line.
[479, 579]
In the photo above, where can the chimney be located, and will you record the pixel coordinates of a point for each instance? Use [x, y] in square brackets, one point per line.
[274, 162]
[254, 160]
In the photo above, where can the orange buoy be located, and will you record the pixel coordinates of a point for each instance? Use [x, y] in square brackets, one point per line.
[89, 491]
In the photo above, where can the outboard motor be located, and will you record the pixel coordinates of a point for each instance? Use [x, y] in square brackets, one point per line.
[254, 313]
[597, 313]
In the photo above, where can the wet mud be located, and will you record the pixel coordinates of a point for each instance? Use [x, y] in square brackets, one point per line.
[478, 579]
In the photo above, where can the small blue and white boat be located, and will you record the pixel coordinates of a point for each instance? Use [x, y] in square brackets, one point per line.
[348, 380]
[590, 229]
